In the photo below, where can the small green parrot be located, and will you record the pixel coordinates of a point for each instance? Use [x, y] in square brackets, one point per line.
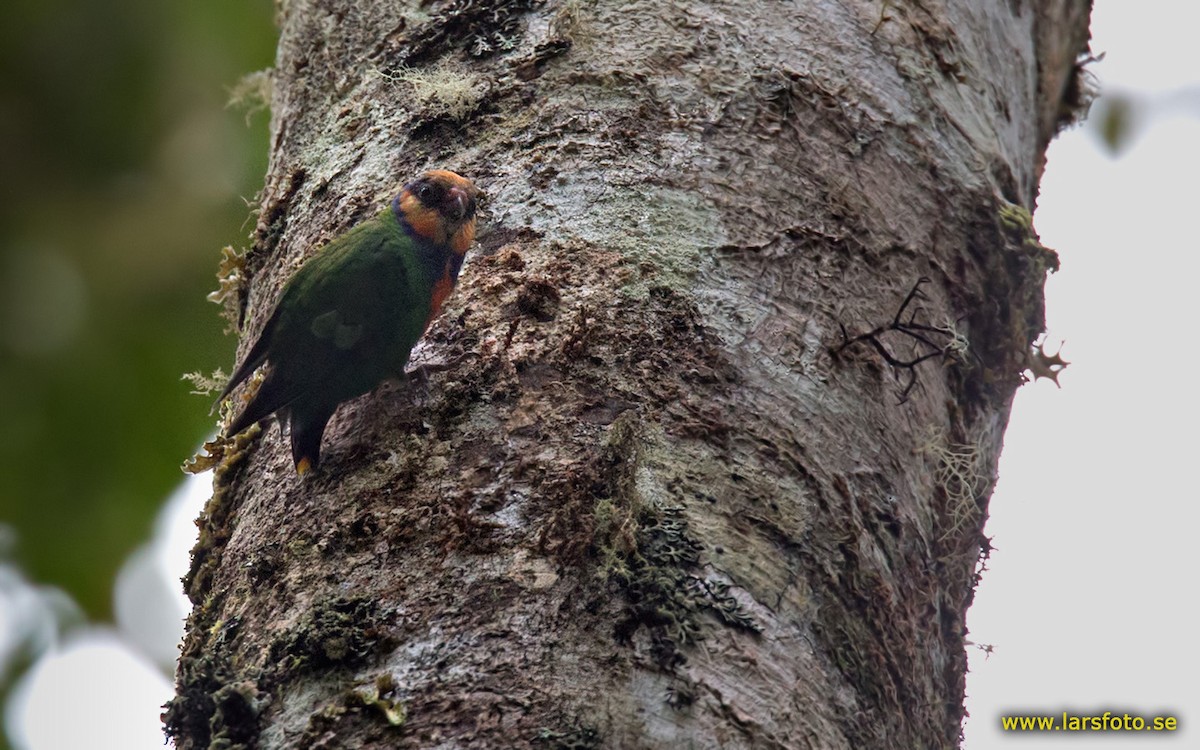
[350, 316]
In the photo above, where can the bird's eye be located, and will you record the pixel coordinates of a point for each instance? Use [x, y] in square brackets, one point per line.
[426, 193]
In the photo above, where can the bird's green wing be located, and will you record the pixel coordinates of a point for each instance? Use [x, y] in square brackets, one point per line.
[348, 318]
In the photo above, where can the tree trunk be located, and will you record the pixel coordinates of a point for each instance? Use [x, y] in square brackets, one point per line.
[658, 501]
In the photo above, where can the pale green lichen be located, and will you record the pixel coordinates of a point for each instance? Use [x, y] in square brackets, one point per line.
[206, 385]
[252, 93]
[231, 286]
[380, 695]
[644, 546]
[961, 471]
[441, 90]
[1017, 223]
[644, 223]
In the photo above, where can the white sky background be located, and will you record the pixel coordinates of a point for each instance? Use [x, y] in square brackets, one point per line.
[1091, 595]
[1090, 600]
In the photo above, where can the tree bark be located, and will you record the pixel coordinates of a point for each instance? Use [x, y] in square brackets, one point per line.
[658, 501]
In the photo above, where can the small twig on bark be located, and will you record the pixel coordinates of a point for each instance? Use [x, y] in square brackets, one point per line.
[906, 322]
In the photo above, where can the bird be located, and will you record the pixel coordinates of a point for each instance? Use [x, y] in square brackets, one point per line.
[351, 314]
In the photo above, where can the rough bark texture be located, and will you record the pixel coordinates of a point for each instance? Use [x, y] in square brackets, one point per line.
[654, 505]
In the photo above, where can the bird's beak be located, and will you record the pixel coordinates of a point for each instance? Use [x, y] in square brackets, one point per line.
[461, 203]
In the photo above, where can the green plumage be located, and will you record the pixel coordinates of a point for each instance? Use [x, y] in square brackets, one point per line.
[347, 320]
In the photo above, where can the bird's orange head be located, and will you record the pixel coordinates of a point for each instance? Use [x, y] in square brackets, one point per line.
[440, 206]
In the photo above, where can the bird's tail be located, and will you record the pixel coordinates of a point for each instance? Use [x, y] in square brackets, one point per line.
[274, 395]
[307, 428]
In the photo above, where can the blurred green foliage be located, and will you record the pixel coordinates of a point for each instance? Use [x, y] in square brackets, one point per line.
[123, 174]
[1116, 118]
[1121, 117]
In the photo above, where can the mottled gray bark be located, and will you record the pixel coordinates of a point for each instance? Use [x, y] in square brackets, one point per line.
[653, 504]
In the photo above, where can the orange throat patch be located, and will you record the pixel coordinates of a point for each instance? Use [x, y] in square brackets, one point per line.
[424, 221]
[462, 239]
[431, 225]
[441, 290]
